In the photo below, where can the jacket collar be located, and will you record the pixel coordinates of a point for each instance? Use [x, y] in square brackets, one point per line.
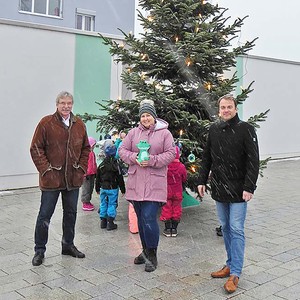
[231, 122]
[158, 125]
[72, 117]
[234, 120]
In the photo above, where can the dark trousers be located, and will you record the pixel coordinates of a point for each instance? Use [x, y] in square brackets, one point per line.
[87, 188]
[47, 207]
[146, 212]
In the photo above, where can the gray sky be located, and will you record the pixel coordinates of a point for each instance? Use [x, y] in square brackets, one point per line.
[276, 23]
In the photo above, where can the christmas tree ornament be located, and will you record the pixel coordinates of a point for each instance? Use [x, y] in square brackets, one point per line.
[143, 146]
[191, 157]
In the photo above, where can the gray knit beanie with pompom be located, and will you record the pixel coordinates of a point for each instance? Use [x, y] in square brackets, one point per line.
[147, 106]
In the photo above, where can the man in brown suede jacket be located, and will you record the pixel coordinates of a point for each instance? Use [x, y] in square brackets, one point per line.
[60, 151]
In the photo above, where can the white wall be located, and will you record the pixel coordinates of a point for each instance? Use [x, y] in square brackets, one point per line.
[276, 24]
[275, 88]
[137, 26]
[28, 55]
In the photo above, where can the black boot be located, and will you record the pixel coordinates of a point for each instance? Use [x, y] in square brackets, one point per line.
[174, 228]
[168, 226]
[103, 223]
[151, 261]
[219, 231]
[38, 258]
[141, 259]
[110, 224]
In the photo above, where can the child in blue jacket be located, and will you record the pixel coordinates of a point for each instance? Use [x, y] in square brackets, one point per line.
[108, 181]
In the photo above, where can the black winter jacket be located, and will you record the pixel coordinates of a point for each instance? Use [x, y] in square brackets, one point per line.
[109, 176]
[232, 156]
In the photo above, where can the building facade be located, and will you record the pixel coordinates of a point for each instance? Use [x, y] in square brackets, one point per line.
[104, 16]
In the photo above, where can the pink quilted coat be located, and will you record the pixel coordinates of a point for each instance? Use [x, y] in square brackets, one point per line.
[148, 183]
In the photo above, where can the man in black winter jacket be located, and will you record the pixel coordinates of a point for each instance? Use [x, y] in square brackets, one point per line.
[232, 157]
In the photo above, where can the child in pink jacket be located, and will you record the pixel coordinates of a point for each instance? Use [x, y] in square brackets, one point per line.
[172, 210]
[89, 179]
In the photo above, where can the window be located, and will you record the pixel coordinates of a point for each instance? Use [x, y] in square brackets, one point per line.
[42, 7]
[85, 19]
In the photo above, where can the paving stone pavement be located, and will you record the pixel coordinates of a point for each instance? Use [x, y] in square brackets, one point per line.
[272, 259]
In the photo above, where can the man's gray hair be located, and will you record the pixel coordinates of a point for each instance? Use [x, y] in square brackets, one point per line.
[63, 95]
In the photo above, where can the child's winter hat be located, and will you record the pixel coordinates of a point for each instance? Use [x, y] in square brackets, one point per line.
[92, 141]
[147, 106]
[110, 150]
[177, 152]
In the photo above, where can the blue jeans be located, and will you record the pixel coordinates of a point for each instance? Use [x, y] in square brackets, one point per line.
[108, 203]
[47, 207]
[146, 212]
[232, 218]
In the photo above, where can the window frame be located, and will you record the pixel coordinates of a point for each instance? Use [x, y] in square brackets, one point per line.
[32, 12]
[84, 13]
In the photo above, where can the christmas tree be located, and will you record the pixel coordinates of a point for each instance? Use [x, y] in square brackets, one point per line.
[180, 62]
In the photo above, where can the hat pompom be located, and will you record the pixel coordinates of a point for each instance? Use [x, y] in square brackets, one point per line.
[147, 106]
[177, 153]
[92, 141]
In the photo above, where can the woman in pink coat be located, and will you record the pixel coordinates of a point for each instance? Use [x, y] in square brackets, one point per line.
[146, 186]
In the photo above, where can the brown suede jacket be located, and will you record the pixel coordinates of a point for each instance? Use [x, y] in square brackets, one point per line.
[60, 153]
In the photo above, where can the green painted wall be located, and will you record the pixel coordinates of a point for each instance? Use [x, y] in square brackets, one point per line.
[92, 77]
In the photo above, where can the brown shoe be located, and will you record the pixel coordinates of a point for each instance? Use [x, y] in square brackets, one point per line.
[224, 272]
[231, 284]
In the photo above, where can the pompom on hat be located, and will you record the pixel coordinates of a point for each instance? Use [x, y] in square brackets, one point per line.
[147, 106]
[177, 152]
[92, 141]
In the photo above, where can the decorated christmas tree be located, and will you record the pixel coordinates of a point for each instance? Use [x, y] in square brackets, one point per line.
[181, 61]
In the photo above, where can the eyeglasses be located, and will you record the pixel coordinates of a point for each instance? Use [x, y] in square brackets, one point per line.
[63, 103]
